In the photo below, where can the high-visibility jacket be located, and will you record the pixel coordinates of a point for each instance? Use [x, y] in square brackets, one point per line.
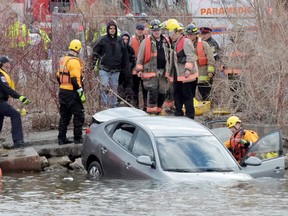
[147, 57]
[237, 149]
[18, 34]
[8, 79]
[184, 58]
[69, 67]
[135, 44]
[206, 61]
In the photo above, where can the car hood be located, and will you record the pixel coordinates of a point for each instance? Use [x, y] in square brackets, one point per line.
[208, 176]
[118, 112]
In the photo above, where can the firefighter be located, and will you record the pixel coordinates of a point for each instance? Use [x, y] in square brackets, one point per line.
[184, 71]
[205, 61]
[241, 140]
[71, 94]
[7, 88]
[206, 35]
[153, 66]
[136, 40]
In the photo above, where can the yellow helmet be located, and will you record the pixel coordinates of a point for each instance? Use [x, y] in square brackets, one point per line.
[173, 25]
[75, 45]
[231, 122]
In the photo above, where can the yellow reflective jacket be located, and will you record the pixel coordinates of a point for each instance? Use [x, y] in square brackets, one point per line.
[69, 67]
[8, 79]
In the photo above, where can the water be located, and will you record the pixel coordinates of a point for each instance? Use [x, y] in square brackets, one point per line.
[74, 193]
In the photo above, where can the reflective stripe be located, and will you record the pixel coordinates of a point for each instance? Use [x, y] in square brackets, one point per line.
[154, 54]
[168, 104]
[188, 65]
[190, 78]
[210, 69]
[146, 75]
[152, 109]
[134, 72]
[139, 67]
[232, 71]
[204, 78]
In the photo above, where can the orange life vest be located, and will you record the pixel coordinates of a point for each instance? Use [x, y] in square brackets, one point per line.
[135, 44]
[180, 54]
[202, 58]
[64, 74]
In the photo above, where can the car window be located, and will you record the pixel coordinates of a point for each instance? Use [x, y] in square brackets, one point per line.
[142, 145]
[123, 134]
[267, 148]
[109, 127]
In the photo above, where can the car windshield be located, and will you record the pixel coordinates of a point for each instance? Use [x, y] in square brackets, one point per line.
[194, 154]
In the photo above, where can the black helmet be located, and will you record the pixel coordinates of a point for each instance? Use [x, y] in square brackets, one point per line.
[4, 59]
[155, 25]
[191, 29]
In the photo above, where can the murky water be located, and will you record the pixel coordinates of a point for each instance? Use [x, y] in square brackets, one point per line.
[73, 193]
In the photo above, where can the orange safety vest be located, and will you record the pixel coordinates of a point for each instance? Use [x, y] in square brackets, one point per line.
[148, 54]
[135, 44]
[64, 74]
[202, 58]
[237, 149]
[188, 65]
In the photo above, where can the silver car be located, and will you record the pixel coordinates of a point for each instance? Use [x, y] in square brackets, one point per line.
[134, 145]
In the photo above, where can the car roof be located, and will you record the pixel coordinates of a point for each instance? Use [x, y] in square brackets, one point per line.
[171, 126]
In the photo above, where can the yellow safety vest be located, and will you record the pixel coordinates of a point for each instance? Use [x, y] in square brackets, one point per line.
[8, 79]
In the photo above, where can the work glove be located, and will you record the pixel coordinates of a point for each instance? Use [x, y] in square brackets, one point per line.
[81, 95]
[24, 100]
[245, 142]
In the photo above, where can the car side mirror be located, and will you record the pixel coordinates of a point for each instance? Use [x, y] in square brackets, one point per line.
[145, 160]
[252, 161]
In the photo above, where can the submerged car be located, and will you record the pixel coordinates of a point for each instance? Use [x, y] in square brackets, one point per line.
[135, 145]
[268, 150]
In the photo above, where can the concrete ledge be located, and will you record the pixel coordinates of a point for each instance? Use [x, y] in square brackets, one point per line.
[55, 150]
[19, 160]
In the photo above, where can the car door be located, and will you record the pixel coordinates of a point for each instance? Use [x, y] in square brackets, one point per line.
[114, 150]
[141, 146]
[269, 149]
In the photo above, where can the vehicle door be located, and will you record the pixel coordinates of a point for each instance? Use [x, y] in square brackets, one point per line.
[141, 146]
[269, 149]
[114, 149]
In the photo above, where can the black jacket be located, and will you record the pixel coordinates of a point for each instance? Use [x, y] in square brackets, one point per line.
[109, 51]
[5, 90]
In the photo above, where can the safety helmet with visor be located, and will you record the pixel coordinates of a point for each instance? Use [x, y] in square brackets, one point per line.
[155, 25]
[232, 121]
[191, 29]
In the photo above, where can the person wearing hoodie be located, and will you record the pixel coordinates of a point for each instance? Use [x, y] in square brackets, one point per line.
[125, 78]
[108, 57]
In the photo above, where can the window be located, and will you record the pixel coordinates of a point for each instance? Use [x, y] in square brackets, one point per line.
[142, 145]
[123, 134]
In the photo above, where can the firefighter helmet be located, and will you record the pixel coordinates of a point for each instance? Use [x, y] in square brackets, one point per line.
[232, 121]
[173, 25]
[155, 25]
[75, 45]
[191, 29]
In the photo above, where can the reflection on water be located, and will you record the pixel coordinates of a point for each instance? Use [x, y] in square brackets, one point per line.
[73, 193]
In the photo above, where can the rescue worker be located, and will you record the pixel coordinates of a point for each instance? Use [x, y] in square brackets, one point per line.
[241, 140]
[143, 19]
[71, 94]
[125, 77]
[184, 71]
[206, 35]
[135, 43]
[108, 57]
[17, 33]
[205, 61]
[7, 88]
[153, 66]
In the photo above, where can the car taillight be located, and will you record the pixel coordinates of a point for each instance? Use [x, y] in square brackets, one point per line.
[88, 130]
